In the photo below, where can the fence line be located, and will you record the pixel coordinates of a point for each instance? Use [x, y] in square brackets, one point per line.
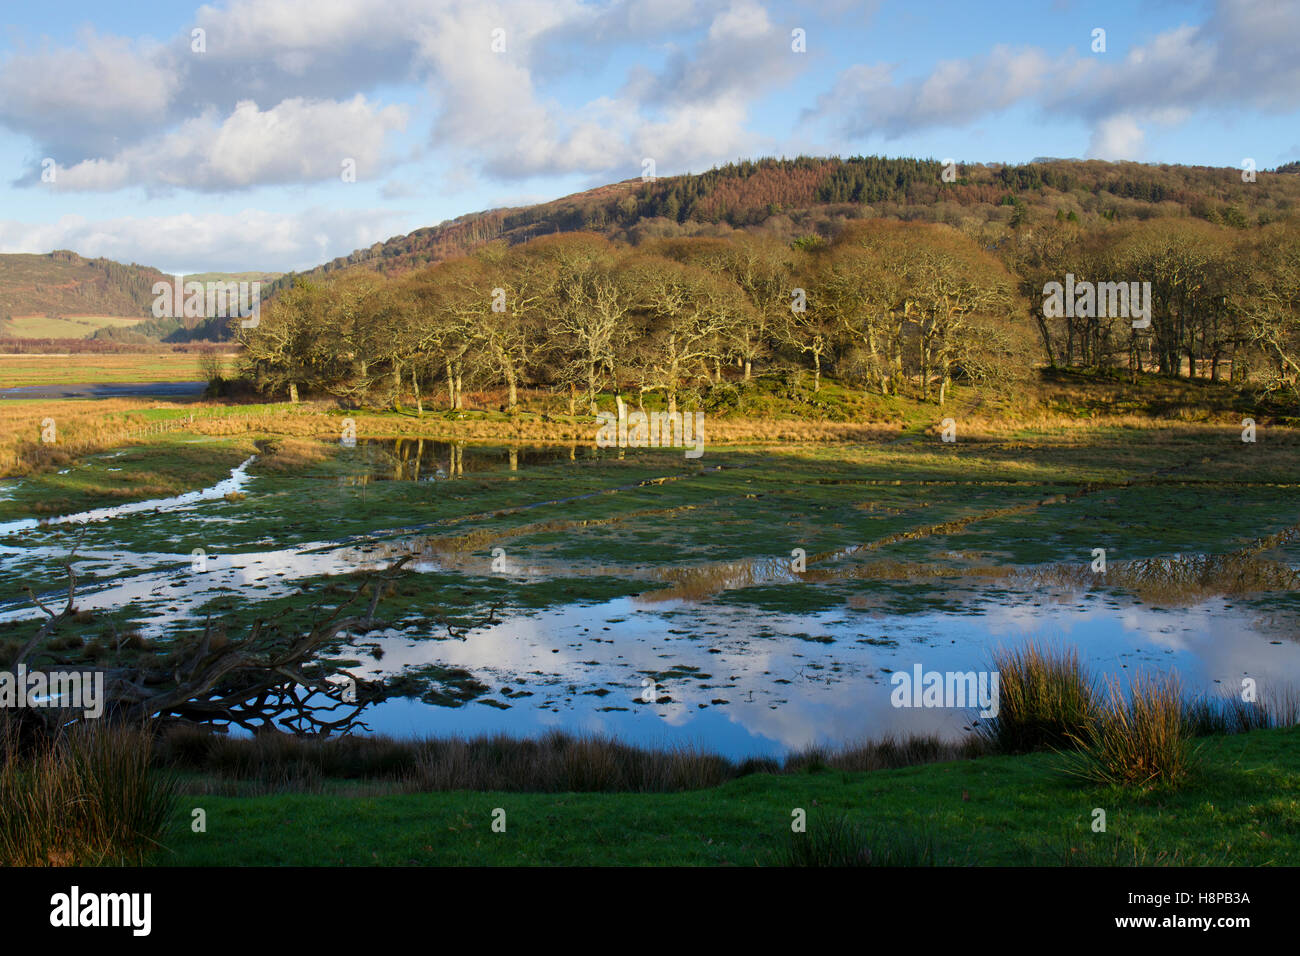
[158, 428]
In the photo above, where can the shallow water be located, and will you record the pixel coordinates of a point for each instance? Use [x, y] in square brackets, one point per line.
[791, 681]
[234, 484]
[728, 675]
[189, 389]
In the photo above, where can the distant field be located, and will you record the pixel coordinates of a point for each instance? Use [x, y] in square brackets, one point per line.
[67, 326]
[18, 370]
[233, 276]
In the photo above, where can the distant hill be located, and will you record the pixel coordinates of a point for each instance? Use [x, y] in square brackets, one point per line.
[63, 283]
[64, 295]
[811, 196]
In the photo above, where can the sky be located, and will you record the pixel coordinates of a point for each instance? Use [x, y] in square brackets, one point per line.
[277, 134]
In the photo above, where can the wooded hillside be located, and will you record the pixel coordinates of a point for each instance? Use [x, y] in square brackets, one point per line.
[814, 197]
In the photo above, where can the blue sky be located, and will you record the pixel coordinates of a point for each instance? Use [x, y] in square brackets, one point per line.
[229, 153]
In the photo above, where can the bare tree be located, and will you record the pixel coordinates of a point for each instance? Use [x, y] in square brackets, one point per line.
[268, 679]
[692, 313]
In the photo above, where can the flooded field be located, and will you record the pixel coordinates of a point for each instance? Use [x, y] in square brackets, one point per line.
[754, 601]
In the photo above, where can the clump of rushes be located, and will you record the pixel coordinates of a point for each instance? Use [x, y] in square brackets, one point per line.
[1230, 714]
[1140, 741]
[888, 753]
[1046, 699]
[85, 797]
[840, 842]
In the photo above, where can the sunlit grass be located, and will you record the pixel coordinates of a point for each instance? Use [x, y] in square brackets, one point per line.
[1047, 699]
[1140, 739]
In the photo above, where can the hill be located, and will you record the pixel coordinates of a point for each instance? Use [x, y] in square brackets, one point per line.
[62, 295]
[62, 283]
[814, 197]
[806, 198]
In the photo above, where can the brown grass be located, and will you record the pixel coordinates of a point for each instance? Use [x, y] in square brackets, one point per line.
[86, 797]
[82, 427]
[159, 365]
[1141, 740]
[290, 455]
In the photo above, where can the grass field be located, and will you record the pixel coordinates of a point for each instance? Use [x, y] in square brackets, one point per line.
[86, 369]
[67, 326]
[1242, 808]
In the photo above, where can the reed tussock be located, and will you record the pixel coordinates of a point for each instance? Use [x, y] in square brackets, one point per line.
[88, 796]
[839, 842]
[1046, 700]
[556, 762]
[1139, 740]
[559, 762]
[888, 753]
[1230, 714]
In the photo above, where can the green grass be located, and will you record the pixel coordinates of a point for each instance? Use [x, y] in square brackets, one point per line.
[154, 468]
[839, 842]
[1241, 807]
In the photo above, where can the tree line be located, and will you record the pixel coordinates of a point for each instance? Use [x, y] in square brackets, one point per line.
[897, 308]
[1225, 303]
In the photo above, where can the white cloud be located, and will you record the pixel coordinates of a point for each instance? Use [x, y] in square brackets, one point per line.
[868, 100]
[742, 55]
[296, 141]
[1115, 138]
[695, 137]
[489, 109]
[162, 105]
[743, 20]
[80, 100]
[493, 114]
[1241, 57]
[210, 241]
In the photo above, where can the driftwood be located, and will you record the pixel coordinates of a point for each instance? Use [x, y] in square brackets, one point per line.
[267, 680]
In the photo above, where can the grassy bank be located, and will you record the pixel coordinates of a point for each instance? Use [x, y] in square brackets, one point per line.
[100, 793]
[1241, 807]
[766, 413]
